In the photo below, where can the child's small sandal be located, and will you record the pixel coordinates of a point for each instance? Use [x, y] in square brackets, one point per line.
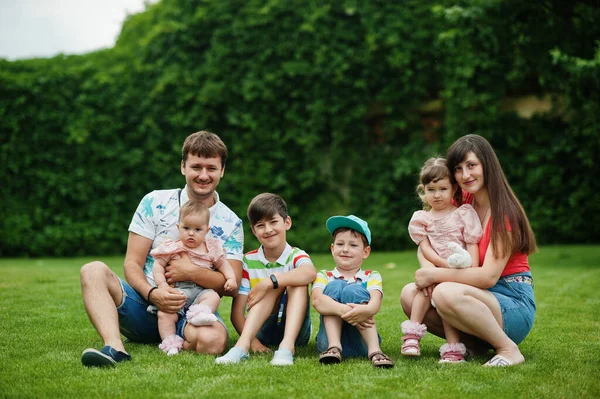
[380, 359]
[411, 345]
[332, 355]
[452, 353]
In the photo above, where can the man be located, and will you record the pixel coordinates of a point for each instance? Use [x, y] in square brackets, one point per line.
[115, 306]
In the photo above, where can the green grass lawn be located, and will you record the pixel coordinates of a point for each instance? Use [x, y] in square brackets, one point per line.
[44, 328]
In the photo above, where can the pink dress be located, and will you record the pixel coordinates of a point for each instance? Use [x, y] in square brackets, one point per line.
[461, 226]
[171, 250]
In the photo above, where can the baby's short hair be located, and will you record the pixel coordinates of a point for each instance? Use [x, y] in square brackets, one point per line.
[194, 208]
[266, 205]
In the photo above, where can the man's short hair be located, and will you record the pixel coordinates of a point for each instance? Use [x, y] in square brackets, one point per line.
[204, 144]
[266, 205]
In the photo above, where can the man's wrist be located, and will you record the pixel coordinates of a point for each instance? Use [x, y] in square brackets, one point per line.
[150, 292]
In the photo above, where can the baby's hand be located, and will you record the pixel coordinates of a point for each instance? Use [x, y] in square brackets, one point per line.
[460, 259]
[230, 284]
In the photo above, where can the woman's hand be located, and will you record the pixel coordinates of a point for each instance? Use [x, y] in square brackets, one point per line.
[425, 277]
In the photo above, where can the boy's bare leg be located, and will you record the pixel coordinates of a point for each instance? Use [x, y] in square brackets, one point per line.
[333, 329]
[371, 339]
[256, 317]
[102, 294]
[297, 300]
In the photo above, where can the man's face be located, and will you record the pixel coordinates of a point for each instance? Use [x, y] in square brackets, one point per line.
[202, 175]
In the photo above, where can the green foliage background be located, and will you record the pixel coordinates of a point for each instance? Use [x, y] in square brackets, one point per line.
[332, 104]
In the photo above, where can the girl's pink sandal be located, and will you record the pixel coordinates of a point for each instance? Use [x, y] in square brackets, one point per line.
[413, 332]
[452, 353]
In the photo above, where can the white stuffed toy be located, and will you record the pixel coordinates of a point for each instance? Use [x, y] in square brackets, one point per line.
[460, 259]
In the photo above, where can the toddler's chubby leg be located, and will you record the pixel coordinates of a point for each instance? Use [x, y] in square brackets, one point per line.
[171, 343]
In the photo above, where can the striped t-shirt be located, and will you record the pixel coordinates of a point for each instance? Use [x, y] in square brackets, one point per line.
[256, 267]
[369, 279]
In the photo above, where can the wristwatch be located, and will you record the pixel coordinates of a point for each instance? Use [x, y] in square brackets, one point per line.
[274, 281]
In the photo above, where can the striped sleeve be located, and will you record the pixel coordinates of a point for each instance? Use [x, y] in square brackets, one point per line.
[374, 281]
[245, 286]
[300, 258]
[321, 280]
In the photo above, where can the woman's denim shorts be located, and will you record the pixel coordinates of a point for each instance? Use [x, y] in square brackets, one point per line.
[515, 295]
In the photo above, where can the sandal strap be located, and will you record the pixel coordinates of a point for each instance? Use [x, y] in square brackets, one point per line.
[411, 336]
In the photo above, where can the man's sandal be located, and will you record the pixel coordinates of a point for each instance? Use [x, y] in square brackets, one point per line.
[380, 359]
[333, 355]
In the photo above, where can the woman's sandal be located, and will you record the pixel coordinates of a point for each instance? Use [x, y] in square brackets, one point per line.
[380, 359]
[333, 355]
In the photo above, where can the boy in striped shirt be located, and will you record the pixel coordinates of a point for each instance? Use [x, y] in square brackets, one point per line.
[348, 297]
[274, 287]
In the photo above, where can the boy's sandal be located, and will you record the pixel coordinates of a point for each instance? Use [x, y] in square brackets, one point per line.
[411, 345]
[332, 355]
[380, 359]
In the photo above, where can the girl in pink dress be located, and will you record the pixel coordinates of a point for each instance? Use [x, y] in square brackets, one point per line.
[450, 230]
[201, 303]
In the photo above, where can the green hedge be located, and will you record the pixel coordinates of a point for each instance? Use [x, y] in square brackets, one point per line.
[327, 103]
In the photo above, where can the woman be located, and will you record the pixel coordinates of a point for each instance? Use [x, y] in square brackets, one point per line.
[493, 302]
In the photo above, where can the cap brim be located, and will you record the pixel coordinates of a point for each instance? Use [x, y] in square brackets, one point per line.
[336, 222]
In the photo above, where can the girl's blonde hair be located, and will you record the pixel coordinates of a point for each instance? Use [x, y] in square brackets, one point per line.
[433, 170]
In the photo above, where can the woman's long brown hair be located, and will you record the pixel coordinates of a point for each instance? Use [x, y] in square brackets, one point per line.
[504, 204]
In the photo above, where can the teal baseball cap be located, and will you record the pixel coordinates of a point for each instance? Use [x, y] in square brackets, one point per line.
[350, 222]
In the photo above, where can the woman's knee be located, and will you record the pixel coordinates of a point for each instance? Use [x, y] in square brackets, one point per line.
[447, 295]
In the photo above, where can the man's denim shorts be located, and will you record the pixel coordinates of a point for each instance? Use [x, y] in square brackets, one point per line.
[139, 325]
[515, 295]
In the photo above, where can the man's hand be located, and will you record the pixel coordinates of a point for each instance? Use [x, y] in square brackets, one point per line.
[167, 299]
[179, 269]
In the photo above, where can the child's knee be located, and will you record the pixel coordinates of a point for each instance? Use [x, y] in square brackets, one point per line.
[355, 293]
[334, 289]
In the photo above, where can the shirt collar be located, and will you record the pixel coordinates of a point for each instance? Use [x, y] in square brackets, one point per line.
[282, 260]
[360, 275]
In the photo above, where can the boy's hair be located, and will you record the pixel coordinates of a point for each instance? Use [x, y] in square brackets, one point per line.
[194, 208]
[266, 205]
[433, 170]
[354, 233]
[204, 144]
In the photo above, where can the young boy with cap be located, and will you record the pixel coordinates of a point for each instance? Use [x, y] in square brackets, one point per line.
[348, 297]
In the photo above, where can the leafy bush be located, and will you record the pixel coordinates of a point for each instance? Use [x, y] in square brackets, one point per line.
[333, 105]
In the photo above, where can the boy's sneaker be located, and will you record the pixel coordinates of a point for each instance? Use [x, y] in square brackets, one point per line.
[107, 356]
[235, 355]
[283, 357]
